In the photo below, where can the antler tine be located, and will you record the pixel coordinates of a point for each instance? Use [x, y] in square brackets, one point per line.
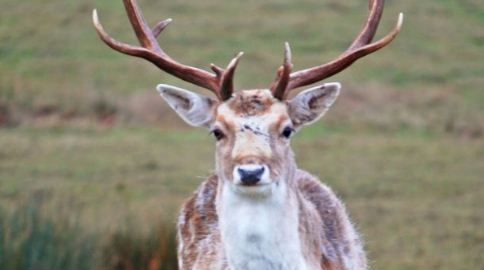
[151, 51]
[140, 27]
[360, 47]
[160, 26]
[369, 30]
[114, 44]
[280, 86]
[227, 81]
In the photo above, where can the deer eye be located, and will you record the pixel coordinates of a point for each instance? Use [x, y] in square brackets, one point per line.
[218, 134]
[287, 132]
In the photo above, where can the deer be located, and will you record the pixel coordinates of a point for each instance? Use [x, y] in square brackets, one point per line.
[258, 210]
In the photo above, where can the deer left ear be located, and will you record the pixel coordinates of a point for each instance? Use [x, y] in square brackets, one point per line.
[197, 110]
[310, 105]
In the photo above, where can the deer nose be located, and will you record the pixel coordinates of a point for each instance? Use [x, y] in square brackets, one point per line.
[250, 175]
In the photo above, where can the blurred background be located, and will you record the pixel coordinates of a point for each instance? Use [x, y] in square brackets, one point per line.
[94, 166]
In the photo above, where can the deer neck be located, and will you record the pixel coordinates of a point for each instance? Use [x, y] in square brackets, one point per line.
[261, 232]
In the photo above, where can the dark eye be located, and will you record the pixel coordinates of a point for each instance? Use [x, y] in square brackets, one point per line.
[218, 134]
[287, 132]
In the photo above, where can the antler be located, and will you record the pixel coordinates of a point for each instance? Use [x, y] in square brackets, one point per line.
[220, 82]
[361, 46]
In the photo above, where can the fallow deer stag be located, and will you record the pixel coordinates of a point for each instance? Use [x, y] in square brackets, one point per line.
[258, 211]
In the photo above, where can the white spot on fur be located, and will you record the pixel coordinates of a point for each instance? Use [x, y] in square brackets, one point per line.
[260, 233]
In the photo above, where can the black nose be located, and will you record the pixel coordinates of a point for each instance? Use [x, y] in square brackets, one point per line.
[250, 177]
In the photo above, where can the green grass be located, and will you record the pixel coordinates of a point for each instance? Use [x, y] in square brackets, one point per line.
[55, 58]
[415, 197]
[86, 133]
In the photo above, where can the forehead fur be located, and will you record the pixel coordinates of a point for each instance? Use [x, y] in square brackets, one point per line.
[256, 109]
[252, 102]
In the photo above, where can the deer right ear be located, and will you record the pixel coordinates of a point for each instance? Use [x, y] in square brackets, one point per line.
[197, 110]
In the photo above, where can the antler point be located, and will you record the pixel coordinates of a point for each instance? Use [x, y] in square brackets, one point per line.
[95, 18]
[400, 20]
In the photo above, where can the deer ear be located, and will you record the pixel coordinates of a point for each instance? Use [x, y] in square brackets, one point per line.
[311, 104]
[197, 110]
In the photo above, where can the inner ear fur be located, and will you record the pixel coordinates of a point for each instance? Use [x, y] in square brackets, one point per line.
[311, 104]
[195, 109]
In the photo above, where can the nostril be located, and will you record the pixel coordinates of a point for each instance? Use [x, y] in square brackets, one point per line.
[250, 176]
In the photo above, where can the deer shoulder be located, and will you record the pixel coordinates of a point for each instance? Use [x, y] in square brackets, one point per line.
[340, 243]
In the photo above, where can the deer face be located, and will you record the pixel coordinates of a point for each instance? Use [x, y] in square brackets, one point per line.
[252, 130]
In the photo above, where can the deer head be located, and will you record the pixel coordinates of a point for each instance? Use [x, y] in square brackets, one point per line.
[252, 128]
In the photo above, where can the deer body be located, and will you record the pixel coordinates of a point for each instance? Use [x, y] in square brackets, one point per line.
[258, 211]
[289, 220]
[272, 238]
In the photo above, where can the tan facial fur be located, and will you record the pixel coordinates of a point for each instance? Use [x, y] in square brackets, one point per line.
[252, 123]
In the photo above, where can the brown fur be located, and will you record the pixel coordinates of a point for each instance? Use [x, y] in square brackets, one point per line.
[198, 223]
[252, 102]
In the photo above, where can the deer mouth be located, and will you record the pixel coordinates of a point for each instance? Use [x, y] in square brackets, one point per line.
[261, 189]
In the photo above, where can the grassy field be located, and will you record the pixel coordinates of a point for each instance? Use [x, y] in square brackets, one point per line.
[93, 166]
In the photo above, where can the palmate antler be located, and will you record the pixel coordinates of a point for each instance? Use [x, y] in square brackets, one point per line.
[221, 80]
[361, 46]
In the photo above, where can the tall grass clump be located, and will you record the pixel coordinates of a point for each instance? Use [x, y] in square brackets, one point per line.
[38, 235]
[31, 240]
[129, 249]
